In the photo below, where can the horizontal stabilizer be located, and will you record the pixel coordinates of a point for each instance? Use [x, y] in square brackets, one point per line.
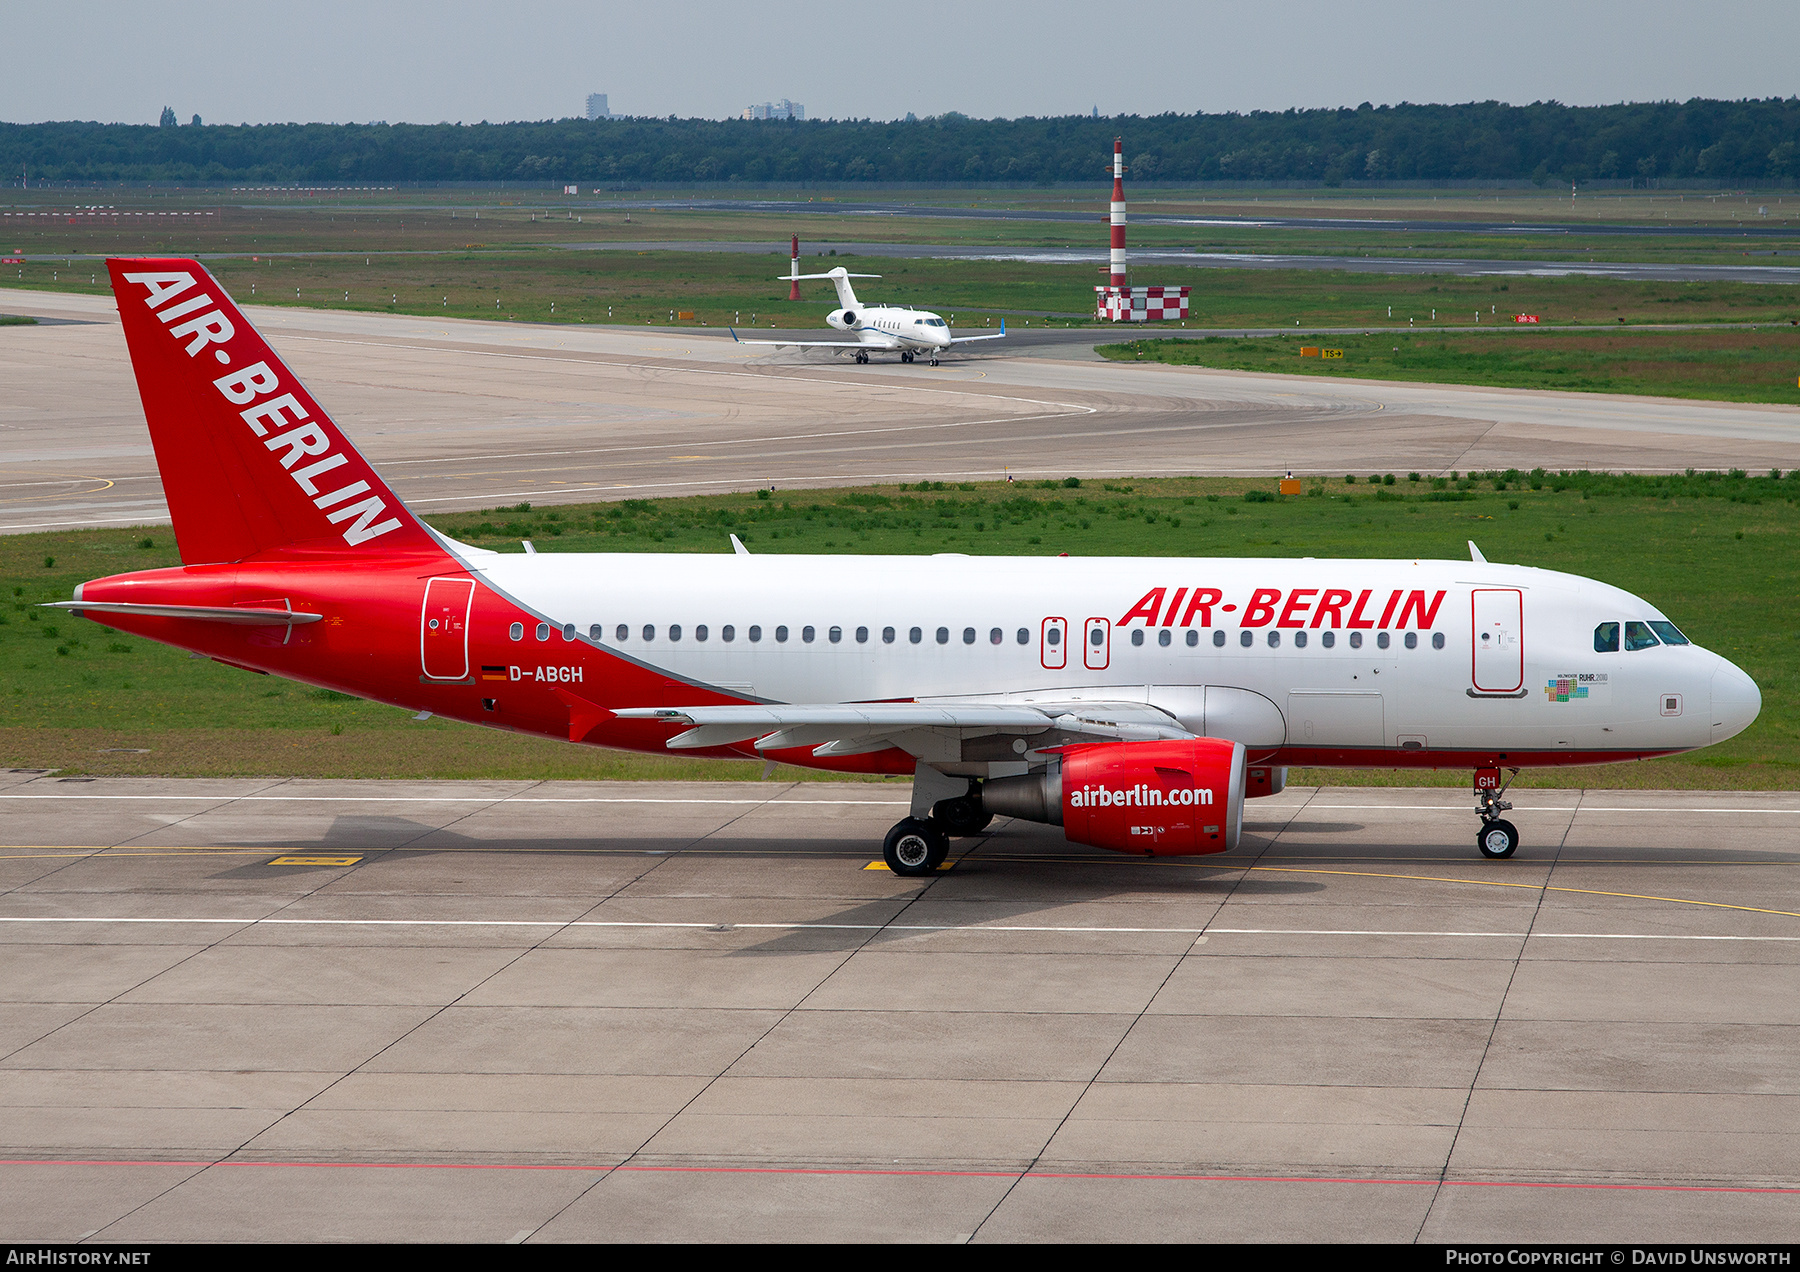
[244, 616]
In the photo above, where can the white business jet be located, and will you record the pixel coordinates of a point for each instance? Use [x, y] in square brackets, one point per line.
[915, 333]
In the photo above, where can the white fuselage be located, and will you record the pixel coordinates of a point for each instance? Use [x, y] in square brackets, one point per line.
[1355, 661]
[894, 327]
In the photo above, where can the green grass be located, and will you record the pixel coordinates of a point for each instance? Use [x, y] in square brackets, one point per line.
[1717, 553]
[1736, 365]
[16, 320]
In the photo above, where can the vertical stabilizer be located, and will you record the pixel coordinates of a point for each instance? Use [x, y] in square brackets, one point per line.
[249, 461]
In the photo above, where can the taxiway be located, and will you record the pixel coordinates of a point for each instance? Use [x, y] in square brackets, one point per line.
[278, 1010]
[460, 414]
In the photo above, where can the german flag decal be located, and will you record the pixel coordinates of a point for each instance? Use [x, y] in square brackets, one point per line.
[493, 673]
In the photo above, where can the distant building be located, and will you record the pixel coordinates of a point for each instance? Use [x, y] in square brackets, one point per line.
[597, 106]
[783, 109]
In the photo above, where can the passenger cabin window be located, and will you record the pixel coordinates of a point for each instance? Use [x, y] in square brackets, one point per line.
[621, 632]
[1164, 637]
[543, 631]
[1381, 640]
[728, 633]
[887, 635]
[1668, 632]
[1606, 638]
[1299, 640]
[755, 633]
[1328, 639]
[516, 631]
[1054, 636]
[674, 631]
[1218, 638]
[568, 631]
[916, 635]
[596, 633]
[700, 631]
[1024, 636]
[1639, 636]
[1137, 637]
[968, 635]
[781, 633]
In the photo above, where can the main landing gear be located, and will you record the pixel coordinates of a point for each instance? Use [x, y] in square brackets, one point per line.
[915, 848]
[918, 846]
[862, 359]
[1497, 837]
[905, 356]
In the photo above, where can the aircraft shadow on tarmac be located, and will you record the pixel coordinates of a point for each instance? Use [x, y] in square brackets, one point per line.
[1017, 873]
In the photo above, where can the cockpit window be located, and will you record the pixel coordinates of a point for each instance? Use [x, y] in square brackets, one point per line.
[1606, 638]
[1639, 636]
[1667, 630]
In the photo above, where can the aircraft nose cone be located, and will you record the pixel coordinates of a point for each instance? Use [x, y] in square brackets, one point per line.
[1736, 701]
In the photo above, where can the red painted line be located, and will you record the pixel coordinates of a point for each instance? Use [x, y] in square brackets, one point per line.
[936, 1174]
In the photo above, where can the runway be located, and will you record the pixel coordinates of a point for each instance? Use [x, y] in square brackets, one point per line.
[465, 414]
[1470, 267]
[274, 1010]
[1762, 227]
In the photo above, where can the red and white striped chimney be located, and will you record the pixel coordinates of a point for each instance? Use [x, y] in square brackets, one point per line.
[1118, 214]
[794, 271]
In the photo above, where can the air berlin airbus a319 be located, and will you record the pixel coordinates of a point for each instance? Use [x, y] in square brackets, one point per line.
[1134, 702]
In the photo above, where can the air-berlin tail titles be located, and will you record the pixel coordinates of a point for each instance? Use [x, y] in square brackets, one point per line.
[1304, 607]
[296, 435]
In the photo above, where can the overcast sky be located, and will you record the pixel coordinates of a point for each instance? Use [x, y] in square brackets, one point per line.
[234, 61]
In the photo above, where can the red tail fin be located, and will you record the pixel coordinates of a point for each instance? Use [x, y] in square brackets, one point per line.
[249, 461]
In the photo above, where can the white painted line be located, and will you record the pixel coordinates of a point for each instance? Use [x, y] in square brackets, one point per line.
[468, 799]
[1290, 810]
[891, 927]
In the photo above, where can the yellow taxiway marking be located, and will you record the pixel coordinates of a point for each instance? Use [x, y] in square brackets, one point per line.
[882, 865]
[315, 861]
[1495, 883]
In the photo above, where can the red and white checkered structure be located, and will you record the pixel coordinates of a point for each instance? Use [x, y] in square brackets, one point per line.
[1140, 304]
[1119, 301]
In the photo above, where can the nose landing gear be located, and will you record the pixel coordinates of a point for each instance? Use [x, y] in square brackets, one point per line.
[1497, 838]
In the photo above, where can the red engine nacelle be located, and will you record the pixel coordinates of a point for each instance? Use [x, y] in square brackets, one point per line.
[1162, 798]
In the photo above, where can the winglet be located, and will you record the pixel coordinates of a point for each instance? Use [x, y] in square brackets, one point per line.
[1475, 553]
[1003, 326]
[737, 547]
[733, 331]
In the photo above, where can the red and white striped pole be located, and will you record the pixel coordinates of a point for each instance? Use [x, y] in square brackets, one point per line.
[794, 271]
[1118, 214]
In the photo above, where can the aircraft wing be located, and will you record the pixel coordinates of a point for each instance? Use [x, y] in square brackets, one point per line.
[928, 730]
[998, 335]
[812, 344]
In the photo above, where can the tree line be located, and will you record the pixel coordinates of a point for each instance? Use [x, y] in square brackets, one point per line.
[1726, 141]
